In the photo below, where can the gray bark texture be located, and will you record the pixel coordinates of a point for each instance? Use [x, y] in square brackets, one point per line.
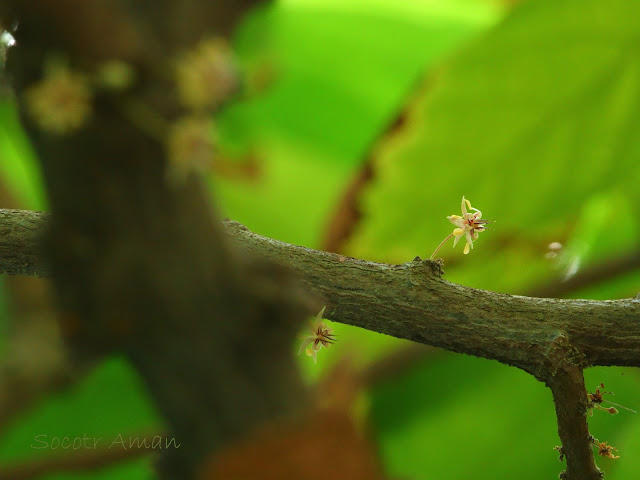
[20, 234]
[414, 302]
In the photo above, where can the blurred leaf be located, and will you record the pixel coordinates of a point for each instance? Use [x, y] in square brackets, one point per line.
[596, 237]
[109, 402]
[619, 430]
[534, 123]
[624, 286]
[528, 123]
[139, 469]
[628, 443]
[342, 71]
[18, 166]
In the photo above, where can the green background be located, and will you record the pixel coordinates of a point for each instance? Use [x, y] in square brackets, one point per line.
[531, 112]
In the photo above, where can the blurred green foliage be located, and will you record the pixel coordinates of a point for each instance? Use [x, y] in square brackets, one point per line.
[533, 117]
[18, 167]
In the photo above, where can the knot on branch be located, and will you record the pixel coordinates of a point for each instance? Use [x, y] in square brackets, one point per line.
[429, 267]
[560, 355]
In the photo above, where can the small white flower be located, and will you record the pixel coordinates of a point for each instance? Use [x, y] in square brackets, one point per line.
[321, 336]
[469, 225]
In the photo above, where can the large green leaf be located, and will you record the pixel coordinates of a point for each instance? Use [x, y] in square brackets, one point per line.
[110, 402]
[528, 123]
[344, 69]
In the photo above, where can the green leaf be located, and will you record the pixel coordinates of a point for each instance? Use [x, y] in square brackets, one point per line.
[18, 165]
[528, 123]
[109, 402]
[344, 70]
[458, 417]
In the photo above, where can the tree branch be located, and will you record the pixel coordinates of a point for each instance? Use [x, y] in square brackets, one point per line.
[549, 338]
[570, 398]
[20, 235]
[412, 301]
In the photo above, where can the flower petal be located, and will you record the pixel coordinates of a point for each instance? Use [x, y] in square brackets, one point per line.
[466, 248]
[312, 352]
[305, 342]
[469, 239]
[457, 220]
[464, 208]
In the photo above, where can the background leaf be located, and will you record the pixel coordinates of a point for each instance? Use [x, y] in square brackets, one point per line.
[528, 123]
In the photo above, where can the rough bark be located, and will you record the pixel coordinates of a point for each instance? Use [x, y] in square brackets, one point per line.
[570, 398]
[552, 339]
[20, 237]
[413, 301]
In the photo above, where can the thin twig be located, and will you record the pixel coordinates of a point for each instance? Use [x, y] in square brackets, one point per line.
[440, 246]
[570, 398]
